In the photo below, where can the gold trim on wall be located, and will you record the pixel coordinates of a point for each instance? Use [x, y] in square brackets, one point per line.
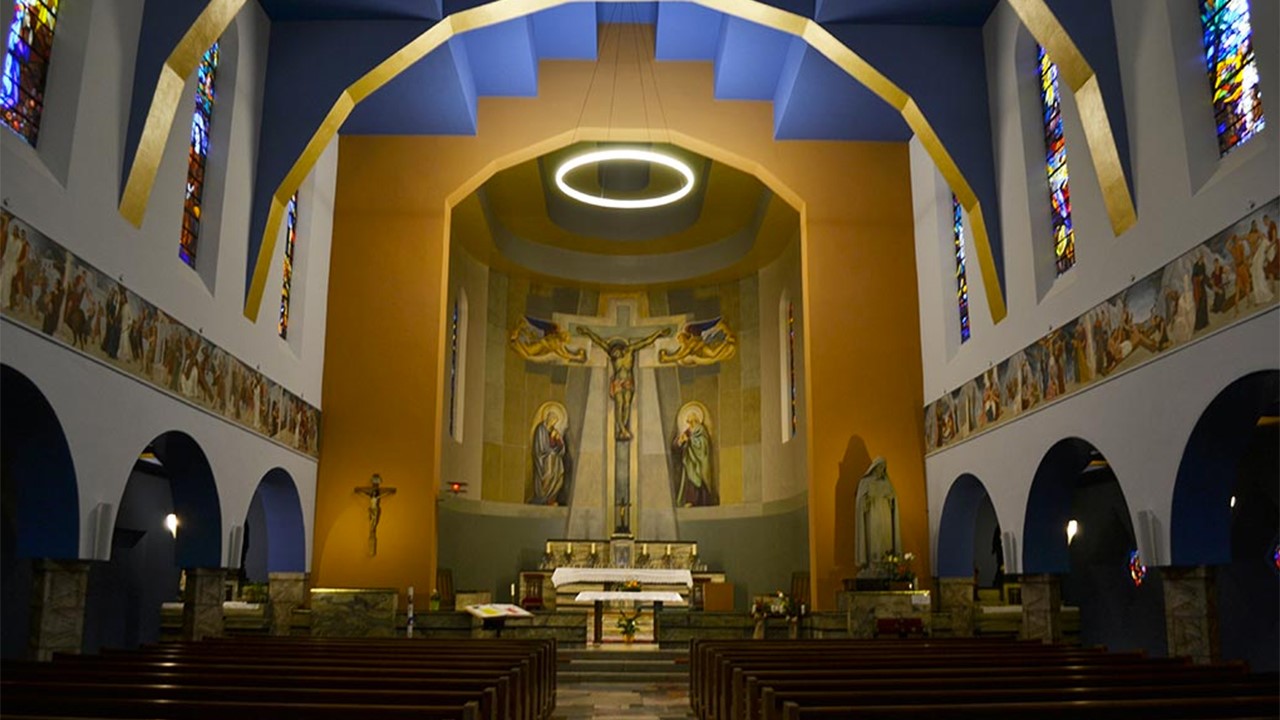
[207, 28]
[1083, 81]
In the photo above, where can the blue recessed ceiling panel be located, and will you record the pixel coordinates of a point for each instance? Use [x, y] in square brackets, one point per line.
[803, 8]
[687, 32]
[567, 32]
[295, 10]
[822, 102]
[749, 60]
[969, 13]
[503, 59]
[434, 96]
[644, 13]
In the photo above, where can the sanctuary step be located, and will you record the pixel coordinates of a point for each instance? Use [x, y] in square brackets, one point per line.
[614, 665]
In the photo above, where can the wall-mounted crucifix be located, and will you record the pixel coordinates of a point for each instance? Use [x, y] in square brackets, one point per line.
[375, 491]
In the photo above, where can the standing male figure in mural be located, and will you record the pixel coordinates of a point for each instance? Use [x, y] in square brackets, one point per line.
[548, 460]
[694, 446]
[622, 383]
[877, 508]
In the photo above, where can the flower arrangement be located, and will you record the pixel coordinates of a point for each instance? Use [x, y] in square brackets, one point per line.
[630, 585]
[897, 567]
[777, 605]
[629, 624]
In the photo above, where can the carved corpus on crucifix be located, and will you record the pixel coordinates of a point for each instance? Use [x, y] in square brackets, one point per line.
[618, 343]
[375, 491]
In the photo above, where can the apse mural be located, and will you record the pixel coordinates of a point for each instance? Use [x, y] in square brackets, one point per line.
[1230, 277]
[549, 456]
[51, 291]
[695, 470]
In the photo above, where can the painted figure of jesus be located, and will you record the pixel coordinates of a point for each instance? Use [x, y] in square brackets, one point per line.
[622, 383]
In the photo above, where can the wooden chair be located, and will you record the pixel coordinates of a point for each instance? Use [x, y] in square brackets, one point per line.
[444, 584]
[531, 594]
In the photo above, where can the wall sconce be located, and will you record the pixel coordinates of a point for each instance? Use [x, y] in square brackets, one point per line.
[171, 524]
[1073, 529]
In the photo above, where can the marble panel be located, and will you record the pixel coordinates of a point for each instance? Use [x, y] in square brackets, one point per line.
[730, 475]
[1042, 608]
[202, 603]
[955, 595]
[866, 608]
[58, 595]
[288, 590]
[1191, 613]
[342, 612]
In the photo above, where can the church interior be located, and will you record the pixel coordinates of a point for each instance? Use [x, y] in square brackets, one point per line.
[642, 326]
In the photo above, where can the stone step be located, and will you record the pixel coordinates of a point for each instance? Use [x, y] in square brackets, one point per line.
[565, 677]
[635, 667]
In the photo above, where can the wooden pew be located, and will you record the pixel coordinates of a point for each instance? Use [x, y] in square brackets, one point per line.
[1166, 709]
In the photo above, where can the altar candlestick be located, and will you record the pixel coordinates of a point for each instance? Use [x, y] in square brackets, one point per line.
[548, 548]
[644, 548]
[668, 548]
[593, 548]
[513, 592]
[694, 552]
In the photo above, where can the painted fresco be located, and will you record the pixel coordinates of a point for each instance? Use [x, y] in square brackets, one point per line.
[51, 291]
[550, 466]
[1232, 276]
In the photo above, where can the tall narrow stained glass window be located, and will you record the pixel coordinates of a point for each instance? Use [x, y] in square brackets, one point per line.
[198, 155]
[290, 237]
[26, 66]
[455, 322]
[791, 362]
[1233, 72]
[1064, 242]
[962, 283]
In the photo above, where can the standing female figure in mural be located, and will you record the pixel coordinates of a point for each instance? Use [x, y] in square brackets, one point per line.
[694, 446]
[548, 459]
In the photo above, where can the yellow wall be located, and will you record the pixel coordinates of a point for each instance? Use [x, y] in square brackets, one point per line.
[385, 327]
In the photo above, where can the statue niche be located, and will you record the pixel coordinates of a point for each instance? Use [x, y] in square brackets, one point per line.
[877, 519]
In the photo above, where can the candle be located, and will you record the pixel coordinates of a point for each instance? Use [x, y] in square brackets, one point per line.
[548, 547]
[513, 592]
[568, 549]
[410, 593]
[644, 549]
[593, 548]
[694, 552]
[668, 548]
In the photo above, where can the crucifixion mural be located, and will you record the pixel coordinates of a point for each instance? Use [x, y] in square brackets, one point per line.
[622, 346]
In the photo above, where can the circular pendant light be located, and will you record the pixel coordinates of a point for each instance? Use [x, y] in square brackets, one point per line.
[597, 157]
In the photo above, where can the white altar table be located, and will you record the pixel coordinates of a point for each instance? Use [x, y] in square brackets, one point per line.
[598, 598]
[650, 576]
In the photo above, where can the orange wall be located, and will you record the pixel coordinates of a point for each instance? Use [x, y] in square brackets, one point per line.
[381, 388]
[382, 366]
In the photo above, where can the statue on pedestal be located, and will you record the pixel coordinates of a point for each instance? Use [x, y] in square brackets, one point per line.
[877, 518]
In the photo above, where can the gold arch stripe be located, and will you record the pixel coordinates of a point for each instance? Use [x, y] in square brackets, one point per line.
[498, 11]
[1083, 81]
[208, 27]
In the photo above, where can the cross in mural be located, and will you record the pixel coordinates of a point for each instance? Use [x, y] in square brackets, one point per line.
[621, 342]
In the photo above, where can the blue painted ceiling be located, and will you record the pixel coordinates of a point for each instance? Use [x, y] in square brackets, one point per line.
[813, 99]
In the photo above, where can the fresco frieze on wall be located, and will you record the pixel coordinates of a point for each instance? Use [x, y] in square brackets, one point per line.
[1228, 278]
[45, 287]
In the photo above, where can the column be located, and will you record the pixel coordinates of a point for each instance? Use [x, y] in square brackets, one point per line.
[955, 596]
[1191, 613]
[287, 590]
[202, 603]
[58, 591]
[1042, 608]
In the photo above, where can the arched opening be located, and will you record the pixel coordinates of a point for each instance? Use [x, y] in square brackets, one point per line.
[969, 538]
[39, 513]
[170, 476]
[1078, 527]
[1226, 513]
[274, 535]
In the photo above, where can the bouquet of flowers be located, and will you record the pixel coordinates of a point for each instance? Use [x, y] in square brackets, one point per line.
[629, 624]
[898, 567]
[630, 585]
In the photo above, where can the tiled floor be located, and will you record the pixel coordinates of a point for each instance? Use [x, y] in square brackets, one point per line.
[650, 700]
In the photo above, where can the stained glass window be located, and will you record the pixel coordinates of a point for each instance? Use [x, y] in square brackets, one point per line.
[1064, 243]
[791, 361]
[26, 66]
[962, 284]
[197, 155]
[290, 236]
[454, 327]
[1233, 73]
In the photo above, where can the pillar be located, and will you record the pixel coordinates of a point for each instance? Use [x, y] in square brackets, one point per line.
[287, 592]
[202, 603]
[1042, 608]
[1191, 613]
[955, 596]
[58, 592]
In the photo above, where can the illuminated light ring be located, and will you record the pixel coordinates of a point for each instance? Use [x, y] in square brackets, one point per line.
[604, 156]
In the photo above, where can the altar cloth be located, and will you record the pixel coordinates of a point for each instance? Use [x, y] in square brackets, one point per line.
[642, 596]
[649, 576]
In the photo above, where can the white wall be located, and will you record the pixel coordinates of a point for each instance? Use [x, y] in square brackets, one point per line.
[69, 188]
[1184, 195]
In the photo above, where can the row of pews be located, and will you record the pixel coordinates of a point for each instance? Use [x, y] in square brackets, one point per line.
[250, 678]
[962, 678]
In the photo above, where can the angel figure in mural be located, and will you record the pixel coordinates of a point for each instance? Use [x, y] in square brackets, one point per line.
[877, 515]
[693, 444]
[543, 341]
[622, 383]
[705, 342]
[549, 457]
